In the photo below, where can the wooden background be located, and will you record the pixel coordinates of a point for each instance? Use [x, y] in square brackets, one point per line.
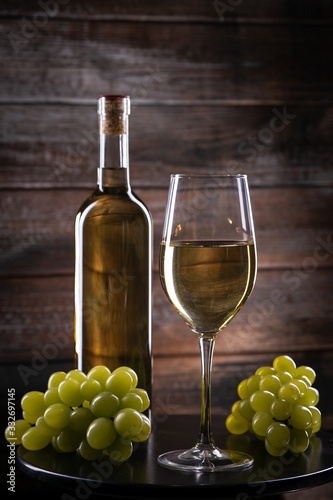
[232, 87]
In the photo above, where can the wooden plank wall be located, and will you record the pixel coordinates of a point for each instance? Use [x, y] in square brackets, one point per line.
[233, 87]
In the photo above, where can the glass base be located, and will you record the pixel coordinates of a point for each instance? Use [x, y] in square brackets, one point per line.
[205, 459]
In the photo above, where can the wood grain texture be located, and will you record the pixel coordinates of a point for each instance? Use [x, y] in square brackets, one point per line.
[285, 309]
[70, 61]
[57, 146]
[37, 228]
[275, 11]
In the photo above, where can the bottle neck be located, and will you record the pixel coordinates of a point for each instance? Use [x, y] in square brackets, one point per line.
[113, 171]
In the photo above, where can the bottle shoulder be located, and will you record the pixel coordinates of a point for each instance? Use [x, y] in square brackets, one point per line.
[121, 202]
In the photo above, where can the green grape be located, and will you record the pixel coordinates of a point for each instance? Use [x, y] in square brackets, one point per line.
[236, 426]
[90, 388]
[100, 373]
[242, 390]
[131, 372]
[29, 418]
[261, 401]
[289, 392]
[120, 450]
[80, 419]
[300, 384]
[275, 452]
[101, 433]
[144, 397]
[284, 377]
[235, 411]
[309, 431]
[33, 440]
[57, 415]
[131, 400]
[55, 379]
[33, 403]
[270, 383]
[265, 370]
[301, 417]
[84, 412]
[77, 375]
[68, 440]
[316, 418]
[278, 404]
[45, 429]
[278, 435]
[260, 422]
[284, 364]
[104, 404]
[119, 383]
[51, 396]
[305, 379]
[14, 433]
[128, 422]
[89, 453]
[70, 393]
[299, 440]
[253, 383]
[245, 409]
[54, 444]
[281, 409]
[310, 397]
[144, 434]
[307, 371]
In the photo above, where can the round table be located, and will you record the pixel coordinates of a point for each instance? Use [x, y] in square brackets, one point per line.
[141, 476]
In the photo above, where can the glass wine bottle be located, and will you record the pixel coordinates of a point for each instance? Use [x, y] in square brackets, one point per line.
[113, 259]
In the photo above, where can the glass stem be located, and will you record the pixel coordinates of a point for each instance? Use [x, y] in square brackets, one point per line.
[206, 351]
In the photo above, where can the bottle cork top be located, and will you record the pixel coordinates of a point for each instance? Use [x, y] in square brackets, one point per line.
[113, 111]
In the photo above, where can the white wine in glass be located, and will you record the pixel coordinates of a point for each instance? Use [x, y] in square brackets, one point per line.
[207, 270]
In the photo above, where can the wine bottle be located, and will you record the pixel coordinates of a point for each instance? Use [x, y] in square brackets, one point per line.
[113, 259]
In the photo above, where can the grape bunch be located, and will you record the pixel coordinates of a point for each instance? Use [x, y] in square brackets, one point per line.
[98, 414]
[278, 405]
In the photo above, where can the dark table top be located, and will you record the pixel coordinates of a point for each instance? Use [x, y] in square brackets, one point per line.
[141, 476]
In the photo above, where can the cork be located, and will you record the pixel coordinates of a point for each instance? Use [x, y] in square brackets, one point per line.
[113, 111]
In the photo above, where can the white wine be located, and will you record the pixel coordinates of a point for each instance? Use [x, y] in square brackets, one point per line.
[207, 282]
[113, 274]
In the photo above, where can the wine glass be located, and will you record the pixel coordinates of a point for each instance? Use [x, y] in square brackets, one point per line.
[207, 270]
